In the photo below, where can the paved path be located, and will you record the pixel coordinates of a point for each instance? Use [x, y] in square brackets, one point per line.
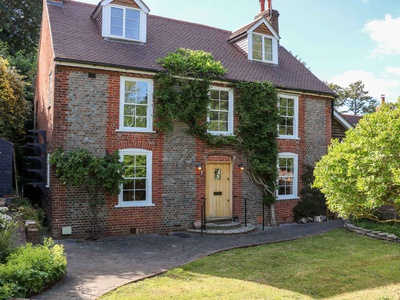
[96, 267]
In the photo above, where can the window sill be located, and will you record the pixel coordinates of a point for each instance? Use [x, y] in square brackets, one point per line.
[219, 133]
[135, 131]
[133, 205]
[288, 198]
[288, 138]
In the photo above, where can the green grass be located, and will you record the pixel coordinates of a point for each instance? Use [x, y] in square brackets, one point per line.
[393, 228]
[334, 265]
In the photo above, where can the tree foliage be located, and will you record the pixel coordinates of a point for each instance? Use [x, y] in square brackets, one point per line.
[95, 174]
[14, 109]
[20, 24]
[182, 93]
[361, 174]
[354, 98]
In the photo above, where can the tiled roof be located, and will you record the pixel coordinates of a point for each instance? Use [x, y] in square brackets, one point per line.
[76, 37]
[352, 119]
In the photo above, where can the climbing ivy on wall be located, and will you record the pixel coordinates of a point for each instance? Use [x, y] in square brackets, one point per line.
[182, 93]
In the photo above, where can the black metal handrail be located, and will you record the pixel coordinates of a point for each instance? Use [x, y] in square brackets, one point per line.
[203, 216]
[245, 211]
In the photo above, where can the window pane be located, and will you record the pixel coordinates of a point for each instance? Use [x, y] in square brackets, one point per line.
[140, 195]
[223, 126]
[224, 95]
[224, 105]
[132, 14]
[132, 34]
[141, 122]
[116, 22]
[129, 122]
[257, 55]
[127, 196]
[214, 104]
[213, 126]
[213, 115]
[140, 184]
[214, 94]
[130, 24]
[257, 39]
[141, 98]
[223, 116]
[117, 12]
[116, 31]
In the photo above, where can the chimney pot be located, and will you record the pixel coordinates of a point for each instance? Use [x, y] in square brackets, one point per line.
[262, 3]
[383, 99]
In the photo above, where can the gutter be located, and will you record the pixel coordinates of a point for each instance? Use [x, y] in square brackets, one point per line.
[148, 71]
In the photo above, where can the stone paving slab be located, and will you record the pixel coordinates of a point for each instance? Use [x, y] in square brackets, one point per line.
[97, 267]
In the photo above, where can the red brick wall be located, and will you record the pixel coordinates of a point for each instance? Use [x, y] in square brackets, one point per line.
[155, 218]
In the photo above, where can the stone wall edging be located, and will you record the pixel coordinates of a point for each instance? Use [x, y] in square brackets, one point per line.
[372, 233]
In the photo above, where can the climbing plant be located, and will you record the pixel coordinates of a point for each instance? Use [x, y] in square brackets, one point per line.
[256, 106]
[182, 93]
[95, 175]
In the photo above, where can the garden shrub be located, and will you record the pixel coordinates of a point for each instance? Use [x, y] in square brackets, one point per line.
[31, 269]
[312, 202]
[8, 230]
[31, 212]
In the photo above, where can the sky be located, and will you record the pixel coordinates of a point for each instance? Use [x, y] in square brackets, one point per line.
[342, 41]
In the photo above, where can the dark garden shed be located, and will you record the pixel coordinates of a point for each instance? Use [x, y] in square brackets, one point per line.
[6, 167]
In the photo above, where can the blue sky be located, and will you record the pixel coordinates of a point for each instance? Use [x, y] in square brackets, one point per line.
[342, 41]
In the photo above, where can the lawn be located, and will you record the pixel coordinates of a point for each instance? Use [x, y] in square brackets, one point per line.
[334, 265]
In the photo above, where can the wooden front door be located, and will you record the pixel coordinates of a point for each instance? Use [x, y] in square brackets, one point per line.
[218, 191]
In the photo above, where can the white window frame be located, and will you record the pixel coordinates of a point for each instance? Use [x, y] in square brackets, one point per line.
[295, 117]
[149, 173]
[230, 112]
[274, 47]
[295, 176]
[149, 115]
[106, 23]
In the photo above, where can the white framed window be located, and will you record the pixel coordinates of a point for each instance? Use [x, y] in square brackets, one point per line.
[125, 23]
[287, 176]
[263, 48]
[288, 108]
[136, 104]
[137, 186]
[220, 112]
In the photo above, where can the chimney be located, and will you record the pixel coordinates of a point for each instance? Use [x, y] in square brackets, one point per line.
[271, 15]
[382, 99]
[262, 3]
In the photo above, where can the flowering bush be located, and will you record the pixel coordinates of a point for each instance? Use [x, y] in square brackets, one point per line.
[8, 229]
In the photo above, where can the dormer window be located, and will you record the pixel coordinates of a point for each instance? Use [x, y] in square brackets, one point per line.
[125, 23]
[262, 48]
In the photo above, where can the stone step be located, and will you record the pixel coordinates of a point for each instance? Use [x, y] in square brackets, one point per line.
[225, 231]
[219, 225]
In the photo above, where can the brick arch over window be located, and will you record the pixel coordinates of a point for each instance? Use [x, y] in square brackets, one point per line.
[134, 144]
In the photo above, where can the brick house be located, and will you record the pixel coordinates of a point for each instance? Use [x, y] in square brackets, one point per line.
[94, 90]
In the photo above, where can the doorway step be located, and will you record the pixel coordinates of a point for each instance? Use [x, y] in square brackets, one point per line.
[225, 228]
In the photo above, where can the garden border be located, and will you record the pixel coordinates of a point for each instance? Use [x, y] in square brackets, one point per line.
[372, 233]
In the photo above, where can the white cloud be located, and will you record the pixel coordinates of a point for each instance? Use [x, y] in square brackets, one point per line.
[383, 32]
[374, 85]
[393, 70]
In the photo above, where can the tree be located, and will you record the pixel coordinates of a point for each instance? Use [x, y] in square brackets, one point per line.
[361, 174]
[20, 24]
[14, 109]
[96, 175]
[354, 98]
